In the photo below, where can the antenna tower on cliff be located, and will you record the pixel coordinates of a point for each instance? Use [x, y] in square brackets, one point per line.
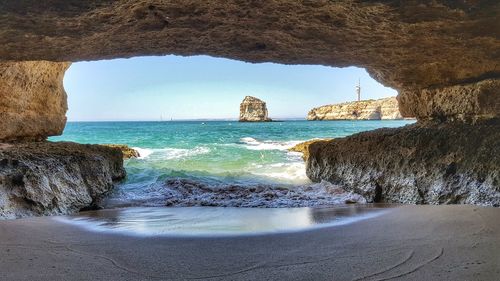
[358, 89]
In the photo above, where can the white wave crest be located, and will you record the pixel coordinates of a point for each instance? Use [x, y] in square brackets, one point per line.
[291, 173]
[249, 140]
[143, 152]
[180, 153]
[170, 153]
[253, 144]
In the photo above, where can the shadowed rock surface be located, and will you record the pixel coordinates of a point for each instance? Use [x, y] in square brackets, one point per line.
[49, 178]
[253, 110]
[420, 164]
[358, 110]
[403, 44]
[467, 102]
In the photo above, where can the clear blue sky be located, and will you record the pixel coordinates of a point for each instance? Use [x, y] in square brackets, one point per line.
[202, 87]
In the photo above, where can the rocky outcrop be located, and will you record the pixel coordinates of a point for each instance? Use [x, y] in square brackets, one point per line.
[358, 110]
[253, 110]
[48, 178]
[467, 102]
[32, 100]
[303, 147]
[127, 151]
[424, 163]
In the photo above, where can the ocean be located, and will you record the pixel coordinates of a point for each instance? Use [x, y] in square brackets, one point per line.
[218, 163]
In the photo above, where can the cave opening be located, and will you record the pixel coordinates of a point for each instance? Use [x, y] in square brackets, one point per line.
[203, 87]
[180, 116]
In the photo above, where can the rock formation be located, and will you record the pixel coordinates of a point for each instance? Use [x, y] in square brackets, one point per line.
[47, 178]
[253, 110]
[358, 110]
[127, 151]
[32, 100]
[466, 102]
[423, 163]
[432, 52]
[441, 55]
[404, 44]
[303, 147]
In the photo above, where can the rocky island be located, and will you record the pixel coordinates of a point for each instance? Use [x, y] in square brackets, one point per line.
[253, 109]
[380, 109]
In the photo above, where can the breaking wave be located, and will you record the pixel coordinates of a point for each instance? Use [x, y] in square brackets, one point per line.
[253, 144]
[188, 192]
[170, 153]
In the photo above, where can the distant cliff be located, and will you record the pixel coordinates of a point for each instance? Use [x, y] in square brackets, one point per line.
[359, 110]
[253, 110]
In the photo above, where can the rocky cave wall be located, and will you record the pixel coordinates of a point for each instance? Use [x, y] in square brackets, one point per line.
[435, 53]
[32, 100]
[422, 48]
[442, 56]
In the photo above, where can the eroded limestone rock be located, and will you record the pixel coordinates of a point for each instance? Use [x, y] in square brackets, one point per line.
[253, 110]
[127, 151]
[303, 147]
[468, 102]
[48, 178]
[404, 44]
[358, 110]
[432, 163]
[415, 47]
[32, 100]
[441, 55]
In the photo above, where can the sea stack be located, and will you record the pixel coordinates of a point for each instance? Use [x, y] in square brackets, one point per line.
[358, 110]
[253, 109]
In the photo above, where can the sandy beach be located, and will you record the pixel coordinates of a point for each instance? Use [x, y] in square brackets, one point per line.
[407, 243]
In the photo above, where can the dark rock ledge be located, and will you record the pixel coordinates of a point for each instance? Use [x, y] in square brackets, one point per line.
[423, 163]
[49, 178]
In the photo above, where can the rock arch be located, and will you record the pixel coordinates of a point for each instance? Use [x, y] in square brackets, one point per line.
[442, 56]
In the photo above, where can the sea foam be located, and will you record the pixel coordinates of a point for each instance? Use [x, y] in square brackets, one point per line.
[253, 144]
[143, 152]
[170, 153]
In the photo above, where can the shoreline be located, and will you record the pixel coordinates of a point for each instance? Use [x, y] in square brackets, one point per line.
[454, 242]
[219, 222]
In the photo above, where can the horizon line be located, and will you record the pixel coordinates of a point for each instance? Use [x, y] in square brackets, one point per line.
[181, 119]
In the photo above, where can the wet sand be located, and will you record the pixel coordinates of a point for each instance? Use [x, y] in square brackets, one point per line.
[407, 243]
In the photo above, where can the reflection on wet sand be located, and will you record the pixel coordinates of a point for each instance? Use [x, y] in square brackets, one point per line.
[217, 221]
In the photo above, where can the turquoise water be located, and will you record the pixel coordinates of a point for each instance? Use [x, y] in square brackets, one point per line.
[194, 163]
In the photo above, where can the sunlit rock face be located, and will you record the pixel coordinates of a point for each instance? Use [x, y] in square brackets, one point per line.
[421, 48]
[358, 110]
[32, 100]
[253, 110]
